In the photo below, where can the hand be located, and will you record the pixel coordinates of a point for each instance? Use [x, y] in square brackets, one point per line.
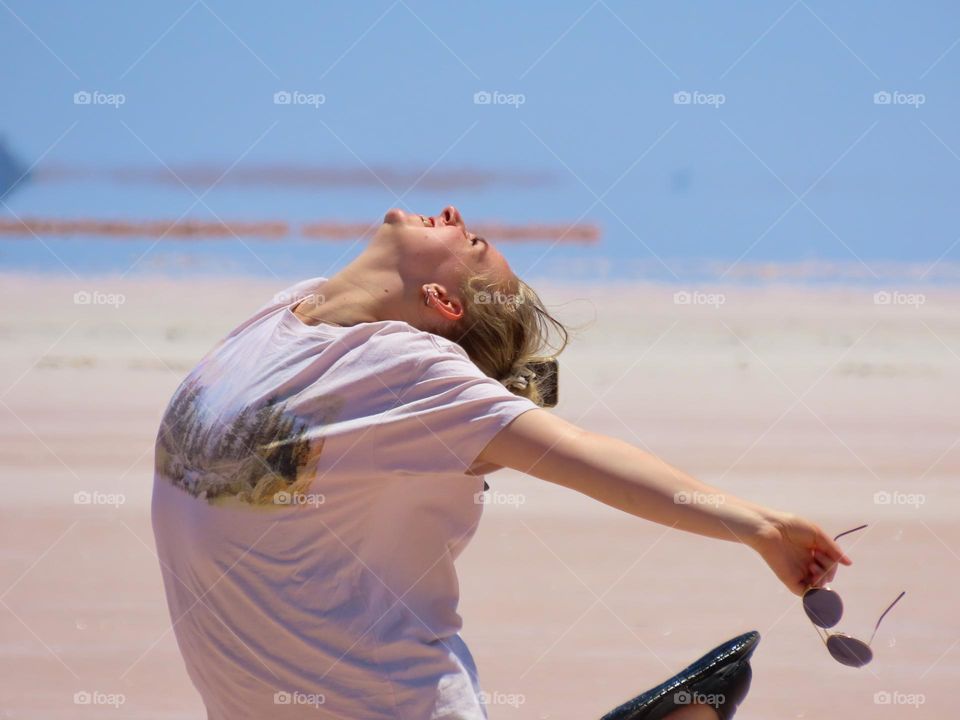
[798, 552]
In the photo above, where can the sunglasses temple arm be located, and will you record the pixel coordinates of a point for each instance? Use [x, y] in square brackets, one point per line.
[889, 608]
[847, 532]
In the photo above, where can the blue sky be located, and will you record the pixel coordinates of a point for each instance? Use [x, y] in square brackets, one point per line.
[782, 155]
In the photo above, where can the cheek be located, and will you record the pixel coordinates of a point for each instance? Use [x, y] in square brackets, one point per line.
[416, 242]
[444, 246]
[442, 251]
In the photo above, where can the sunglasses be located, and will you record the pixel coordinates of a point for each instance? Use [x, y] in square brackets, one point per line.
[825, 608]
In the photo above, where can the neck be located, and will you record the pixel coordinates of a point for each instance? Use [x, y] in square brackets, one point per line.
[369, 289]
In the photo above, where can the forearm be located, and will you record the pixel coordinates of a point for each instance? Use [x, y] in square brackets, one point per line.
[627, 478]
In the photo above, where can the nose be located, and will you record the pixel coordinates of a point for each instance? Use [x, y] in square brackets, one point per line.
[451, 216]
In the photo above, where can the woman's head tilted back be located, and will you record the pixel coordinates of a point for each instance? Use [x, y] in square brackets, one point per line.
[466, 291]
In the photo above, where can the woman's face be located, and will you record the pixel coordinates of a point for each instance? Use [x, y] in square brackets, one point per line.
[440, 248]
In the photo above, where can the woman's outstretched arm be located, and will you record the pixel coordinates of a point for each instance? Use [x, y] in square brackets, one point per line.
[625, 477]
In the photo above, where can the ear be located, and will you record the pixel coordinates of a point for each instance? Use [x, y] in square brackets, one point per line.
[435, 296]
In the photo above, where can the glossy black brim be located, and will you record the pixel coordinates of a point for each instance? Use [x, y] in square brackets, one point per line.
[658, 701]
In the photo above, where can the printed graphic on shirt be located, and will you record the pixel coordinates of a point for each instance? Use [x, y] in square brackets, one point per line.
[251, 454]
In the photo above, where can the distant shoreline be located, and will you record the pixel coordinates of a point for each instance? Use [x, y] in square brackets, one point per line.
[165, 265]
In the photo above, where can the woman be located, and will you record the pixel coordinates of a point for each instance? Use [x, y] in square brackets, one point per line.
[321, 468]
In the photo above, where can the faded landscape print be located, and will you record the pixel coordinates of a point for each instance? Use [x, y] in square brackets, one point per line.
[253, 455]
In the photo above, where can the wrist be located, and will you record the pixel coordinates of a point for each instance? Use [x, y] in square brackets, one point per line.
[768, 527]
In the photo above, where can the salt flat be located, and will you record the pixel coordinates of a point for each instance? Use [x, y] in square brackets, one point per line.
[820, 401]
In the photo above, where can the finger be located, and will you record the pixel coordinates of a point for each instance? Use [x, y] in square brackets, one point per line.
[825, 561]
[832, 549]
[821, 574]
[823, 567]
[815, 574]
[799, 587]
[796, 579]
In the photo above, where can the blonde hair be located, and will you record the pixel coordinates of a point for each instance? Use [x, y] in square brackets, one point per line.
[505, 325]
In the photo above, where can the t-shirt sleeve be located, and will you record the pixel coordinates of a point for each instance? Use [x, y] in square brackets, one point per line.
[445, 416]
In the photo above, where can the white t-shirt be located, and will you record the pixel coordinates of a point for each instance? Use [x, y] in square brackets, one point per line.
[312, 490]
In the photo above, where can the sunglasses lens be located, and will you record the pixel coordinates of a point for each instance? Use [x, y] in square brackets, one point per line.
[849, 651]
[823, 607]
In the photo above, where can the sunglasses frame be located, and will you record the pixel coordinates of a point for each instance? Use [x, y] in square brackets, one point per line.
[825, 635]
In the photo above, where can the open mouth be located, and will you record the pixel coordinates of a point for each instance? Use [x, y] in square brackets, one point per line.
[428, 221]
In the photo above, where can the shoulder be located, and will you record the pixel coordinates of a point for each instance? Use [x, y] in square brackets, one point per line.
[424, 348]
[398, 343]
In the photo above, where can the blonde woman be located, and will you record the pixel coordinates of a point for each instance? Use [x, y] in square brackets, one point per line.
[319, 471]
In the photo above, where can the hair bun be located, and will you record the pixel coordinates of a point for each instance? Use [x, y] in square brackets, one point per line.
[519, 378]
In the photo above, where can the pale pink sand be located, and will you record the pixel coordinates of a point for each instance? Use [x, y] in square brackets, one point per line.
[809, 400]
